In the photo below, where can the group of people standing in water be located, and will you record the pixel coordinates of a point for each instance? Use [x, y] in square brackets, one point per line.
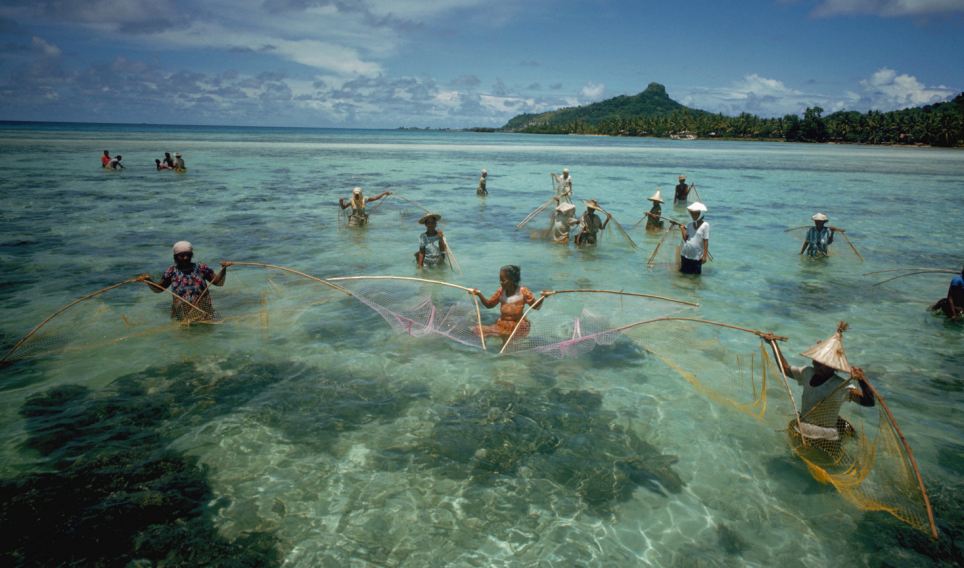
[168, 163]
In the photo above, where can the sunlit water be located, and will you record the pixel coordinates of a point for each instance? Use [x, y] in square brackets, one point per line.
[332, 439]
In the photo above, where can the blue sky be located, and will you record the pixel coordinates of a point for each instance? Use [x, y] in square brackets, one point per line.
[460, 63]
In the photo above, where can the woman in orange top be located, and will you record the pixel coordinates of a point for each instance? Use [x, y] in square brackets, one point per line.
[512, 298]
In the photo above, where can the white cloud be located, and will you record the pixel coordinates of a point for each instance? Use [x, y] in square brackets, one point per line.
[48, 49]
[754, 94]
[888, 8]
[886, 90]
[593, 91]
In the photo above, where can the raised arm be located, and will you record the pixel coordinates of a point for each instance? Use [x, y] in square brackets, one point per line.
[862, 395]
[377, 197]
[490, 302]
[221, 277]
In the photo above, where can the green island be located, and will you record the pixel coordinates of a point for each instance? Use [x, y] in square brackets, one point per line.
[653, 113]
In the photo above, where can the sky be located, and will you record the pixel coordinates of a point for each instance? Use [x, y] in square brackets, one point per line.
[464, 63]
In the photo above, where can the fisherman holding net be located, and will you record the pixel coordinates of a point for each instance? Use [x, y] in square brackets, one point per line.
[682, 191]
[590, 224]
[358, 216]
[819, 237]
[563, 220]
[431, 243]
[189, 282]
[512, 298]
[824, 392]
[481, 191]
[563, 186]
[696, 241]
[654, 221]
[953, 304]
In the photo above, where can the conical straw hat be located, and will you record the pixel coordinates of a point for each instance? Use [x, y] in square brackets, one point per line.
[830, 352]
[656, 197]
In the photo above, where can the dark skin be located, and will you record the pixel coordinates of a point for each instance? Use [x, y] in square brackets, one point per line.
[183, 262]
[819, 225]
[955, 301]
[510, 287]
[822, 373]
[430, 229]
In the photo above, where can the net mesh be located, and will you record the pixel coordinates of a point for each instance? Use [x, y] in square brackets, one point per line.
[665, 254]
[857, 450]
[861, 455]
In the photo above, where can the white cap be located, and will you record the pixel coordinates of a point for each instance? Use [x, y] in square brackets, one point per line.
[484, 172]
[819, 217]
[697, 206]
[565, 170]
[564, 207]
[182, 246]
[356, 191]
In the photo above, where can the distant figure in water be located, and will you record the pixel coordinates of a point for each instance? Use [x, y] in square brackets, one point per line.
[824, 392]
[190, 282]
[654, 222]
[682, 191]
[431, 243]
[115, 164]
[160, 165]
[953, 304]
[563, 187]
[358, 201]
[481, 191]
[179, 163]
[512, 297]
[105, 159]
[563, 220]
[168, 160]
[819, 237]
[590, 224]
[696, 241]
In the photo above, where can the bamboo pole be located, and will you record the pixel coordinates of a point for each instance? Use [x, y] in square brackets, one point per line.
[910, 454]
[620, 227]
[521, 319]
[535, 212]
[405, 278]
[478, 316]
[293, 271]
[786, 384]
[94, 294]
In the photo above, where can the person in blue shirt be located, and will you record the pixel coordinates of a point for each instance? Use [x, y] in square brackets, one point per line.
[819, 237]
[953, 304]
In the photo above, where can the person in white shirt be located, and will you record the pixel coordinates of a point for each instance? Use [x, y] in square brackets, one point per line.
[696, 241]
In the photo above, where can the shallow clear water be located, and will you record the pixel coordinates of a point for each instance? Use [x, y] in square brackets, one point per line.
[336, 439]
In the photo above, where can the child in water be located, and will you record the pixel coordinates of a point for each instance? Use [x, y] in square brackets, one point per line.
[512, 298]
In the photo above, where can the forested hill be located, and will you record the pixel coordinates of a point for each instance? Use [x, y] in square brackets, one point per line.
[653, 113]
[650, 103]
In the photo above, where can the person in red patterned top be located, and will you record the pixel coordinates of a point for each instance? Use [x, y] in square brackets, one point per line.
[189, 281]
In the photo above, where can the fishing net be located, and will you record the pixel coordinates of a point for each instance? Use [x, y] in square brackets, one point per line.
[572, 322]
[418, 307]
[861, 452]
[127, 316]
[665, 254]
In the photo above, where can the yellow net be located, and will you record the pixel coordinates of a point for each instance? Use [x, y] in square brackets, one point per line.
[860, 451]
[862, 454]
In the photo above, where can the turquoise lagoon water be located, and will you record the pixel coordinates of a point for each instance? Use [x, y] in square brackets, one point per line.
[324, 438]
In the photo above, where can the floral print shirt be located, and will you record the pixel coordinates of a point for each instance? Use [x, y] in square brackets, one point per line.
[188, 285]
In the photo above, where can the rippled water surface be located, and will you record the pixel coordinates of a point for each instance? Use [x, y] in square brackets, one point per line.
[303, 430]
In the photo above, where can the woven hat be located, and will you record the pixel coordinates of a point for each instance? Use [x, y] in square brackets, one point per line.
[819, 217]
[682, 178]
[696, 206]
[356, 191]
[656, 197]
[565, 207]
[428, 216]
[177, 154]
[592, 204]
[182, 246]
[830, 352]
